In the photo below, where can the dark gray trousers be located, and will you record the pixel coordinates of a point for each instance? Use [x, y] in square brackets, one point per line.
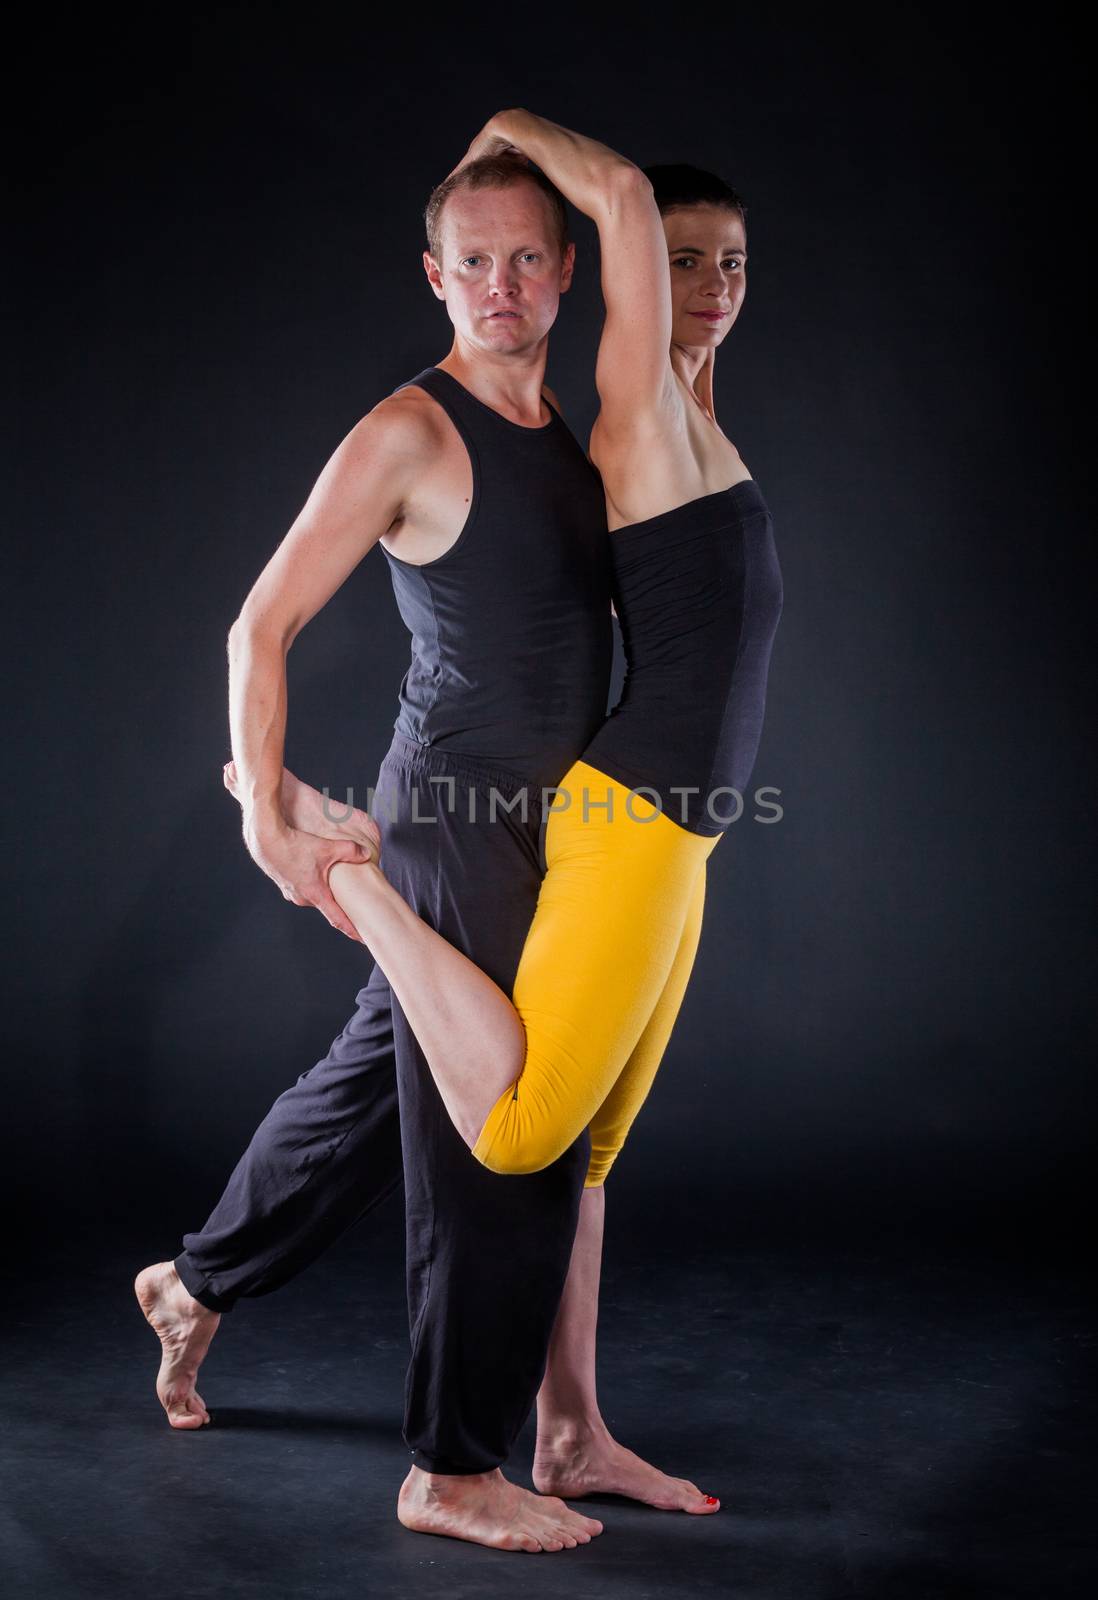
[487, 1256]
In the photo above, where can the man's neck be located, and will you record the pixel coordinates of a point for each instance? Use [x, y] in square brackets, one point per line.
[510, 384]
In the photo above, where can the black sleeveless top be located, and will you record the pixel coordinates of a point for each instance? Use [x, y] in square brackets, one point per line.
[698, 592]
[512, 639]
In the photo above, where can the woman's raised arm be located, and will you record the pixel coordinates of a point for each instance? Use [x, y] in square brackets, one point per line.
[633, 371]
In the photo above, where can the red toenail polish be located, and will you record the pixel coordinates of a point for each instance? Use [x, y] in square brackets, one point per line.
[710, 1500]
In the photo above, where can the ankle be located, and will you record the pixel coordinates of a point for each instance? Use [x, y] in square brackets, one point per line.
[565, 1430]
[444, 1485]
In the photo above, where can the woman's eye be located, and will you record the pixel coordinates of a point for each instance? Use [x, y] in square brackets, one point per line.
[685, 261]
[733, 264]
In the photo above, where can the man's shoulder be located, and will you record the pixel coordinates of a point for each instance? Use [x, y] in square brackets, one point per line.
[406, 423]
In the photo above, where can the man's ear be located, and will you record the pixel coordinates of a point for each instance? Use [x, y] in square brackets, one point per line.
[434, 275]
[567, 267]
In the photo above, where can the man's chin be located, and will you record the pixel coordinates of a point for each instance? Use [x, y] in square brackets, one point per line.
[505, 336]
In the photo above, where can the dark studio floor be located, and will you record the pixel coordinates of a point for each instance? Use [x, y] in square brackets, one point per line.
[878, 1422]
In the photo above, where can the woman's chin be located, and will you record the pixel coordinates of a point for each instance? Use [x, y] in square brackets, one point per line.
[702, 336]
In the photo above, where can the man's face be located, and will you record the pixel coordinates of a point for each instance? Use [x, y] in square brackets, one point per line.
[707, 251]
[501, 273]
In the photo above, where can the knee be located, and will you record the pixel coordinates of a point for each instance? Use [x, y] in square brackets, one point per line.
[517, 1160]
[516, 1151]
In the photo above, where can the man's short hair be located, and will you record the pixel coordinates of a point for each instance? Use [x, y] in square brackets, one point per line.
[492, 172]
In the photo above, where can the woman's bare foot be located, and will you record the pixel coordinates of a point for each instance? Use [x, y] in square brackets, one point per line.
[573, 1463]
[185, 1329]
[306, 808]
[486, 1508]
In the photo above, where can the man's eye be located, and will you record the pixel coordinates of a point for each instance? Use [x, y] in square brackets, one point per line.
[471, 261]
[685, 261]
[734, 263]
[530, 255]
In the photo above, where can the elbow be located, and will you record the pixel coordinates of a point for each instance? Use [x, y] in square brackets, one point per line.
[235, 639]
[502, 124]
[244, 624]
[628, 186]
[250, 627]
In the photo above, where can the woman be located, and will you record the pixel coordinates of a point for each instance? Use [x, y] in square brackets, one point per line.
[698, 593]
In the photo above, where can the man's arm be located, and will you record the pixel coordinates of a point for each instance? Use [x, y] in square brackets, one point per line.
[357, 497]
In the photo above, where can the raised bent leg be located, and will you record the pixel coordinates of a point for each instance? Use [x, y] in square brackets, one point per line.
[520, 1080]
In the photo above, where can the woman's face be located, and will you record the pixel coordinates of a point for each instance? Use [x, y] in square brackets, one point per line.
[707, 250]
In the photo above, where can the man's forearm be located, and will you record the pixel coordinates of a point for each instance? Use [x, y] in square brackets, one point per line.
[257, 721]
[587, 173]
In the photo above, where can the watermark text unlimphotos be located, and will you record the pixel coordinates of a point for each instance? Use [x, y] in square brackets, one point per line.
[723, 805]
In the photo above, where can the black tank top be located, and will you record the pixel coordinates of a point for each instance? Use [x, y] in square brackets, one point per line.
[512, 640]
[698, 591]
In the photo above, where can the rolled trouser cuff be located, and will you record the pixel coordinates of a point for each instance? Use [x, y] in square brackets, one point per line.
[199, 1286]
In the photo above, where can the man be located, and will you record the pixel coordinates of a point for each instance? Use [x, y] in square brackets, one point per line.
[493, 524]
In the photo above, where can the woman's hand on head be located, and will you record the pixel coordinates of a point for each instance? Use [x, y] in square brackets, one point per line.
[489, 142]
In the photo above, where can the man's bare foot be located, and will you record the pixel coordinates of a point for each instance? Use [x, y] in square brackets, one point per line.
[486, 1508]
[185, 1329]
[306, 808]
[574, 1463]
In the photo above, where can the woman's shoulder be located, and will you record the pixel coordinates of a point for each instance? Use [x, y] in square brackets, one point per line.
[648, 464]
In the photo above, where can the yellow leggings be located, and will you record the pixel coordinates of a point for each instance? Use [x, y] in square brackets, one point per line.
[602, 974]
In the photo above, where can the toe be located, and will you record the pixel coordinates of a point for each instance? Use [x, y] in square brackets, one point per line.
[188, 1412]
[702, 1507]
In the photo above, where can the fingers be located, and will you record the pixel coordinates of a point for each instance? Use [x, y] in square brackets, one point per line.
[365, 831]
[320, 896]
[370, 851]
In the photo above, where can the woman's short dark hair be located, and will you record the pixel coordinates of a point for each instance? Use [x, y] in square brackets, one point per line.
[677, 185]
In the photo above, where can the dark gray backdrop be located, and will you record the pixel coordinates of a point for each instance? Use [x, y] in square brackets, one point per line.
[890, 1023]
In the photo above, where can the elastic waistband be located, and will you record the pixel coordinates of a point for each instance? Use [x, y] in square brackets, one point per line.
[412, 757]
